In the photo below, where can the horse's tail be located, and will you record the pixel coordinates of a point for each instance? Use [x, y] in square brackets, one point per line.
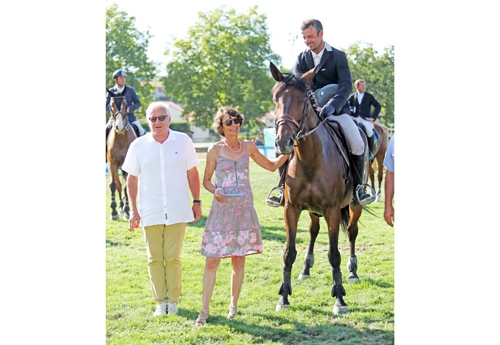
[366, 208]
[344, 218]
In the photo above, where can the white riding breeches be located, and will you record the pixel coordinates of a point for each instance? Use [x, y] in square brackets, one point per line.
[366, 124]
[354, 140]
[141, 130]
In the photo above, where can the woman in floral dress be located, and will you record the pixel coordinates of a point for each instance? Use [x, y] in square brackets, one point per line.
[232, 229]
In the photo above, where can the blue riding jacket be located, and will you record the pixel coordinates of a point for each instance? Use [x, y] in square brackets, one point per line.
[130, 95]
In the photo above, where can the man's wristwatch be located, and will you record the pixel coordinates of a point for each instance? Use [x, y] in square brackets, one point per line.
[197, 201]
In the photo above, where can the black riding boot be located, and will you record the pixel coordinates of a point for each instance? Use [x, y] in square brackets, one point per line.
[364, 198]
[371, 145]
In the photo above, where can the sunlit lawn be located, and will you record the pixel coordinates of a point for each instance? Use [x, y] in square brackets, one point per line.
[309, 320]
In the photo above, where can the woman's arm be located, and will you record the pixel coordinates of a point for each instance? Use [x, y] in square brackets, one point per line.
[262, 160]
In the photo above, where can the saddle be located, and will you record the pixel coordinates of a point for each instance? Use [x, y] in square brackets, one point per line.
[136, 130]
[336, 133]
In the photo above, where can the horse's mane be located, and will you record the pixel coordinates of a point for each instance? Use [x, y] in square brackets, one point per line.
[296, 81]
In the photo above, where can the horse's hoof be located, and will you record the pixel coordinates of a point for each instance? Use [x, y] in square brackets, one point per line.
[280, 306]
[353, 280]
[303, 276]
[126, 217]
[339, 309]
[116, 217]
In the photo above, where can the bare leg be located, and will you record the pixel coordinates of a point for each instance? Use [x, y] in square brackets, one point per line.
[237, 278]
[209, 278]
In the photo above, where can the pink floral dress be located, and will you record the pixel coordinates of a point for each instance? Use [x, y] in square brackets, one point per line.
[232, 227]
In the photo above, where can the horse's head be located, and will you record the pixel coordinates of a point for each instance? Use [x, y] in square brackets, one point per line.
[291, 106]
[119, 109]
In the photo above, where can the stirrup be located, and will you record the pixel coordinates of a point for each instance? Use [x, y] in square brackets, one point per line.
[275, 201]
[371, 197]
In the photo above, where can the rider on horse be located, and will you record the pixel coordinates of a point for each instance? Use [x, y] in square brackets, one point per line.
[121, 90]
[332, 86]
[360, 103]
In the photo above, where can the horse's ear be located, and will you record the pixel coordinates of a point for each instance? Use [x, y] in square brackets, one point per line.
[112, 94]
[307, 76]
[277, 75]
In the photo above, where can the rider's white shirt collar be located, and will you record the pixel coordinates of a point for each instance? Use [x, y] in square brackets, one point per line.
[359, 96]
[317, 57]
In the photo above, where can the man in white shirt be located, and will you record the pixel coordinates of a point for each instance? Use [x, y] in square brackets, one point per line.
[161, 167]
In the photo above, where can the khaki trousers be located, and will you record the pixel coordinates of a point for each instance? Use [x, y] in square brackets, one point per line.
[164, 245]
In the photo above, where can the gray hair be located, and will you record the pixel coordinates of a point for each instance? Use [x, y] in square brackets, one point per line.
[156, 105]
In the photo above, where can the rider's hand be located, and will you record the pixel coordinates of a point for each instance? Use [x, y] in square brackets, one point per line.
[327, 110]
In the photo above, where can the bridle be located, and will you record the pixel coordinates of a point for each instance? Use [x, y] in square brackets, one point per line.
[125, 119]
[286, 119]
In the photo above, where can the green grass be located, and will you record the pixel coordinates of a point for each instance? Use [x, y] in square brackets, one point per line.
[309, 320]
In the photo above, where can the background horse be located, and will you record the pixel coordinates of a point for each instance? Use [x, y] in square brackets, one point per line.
[317, 180]
[119, 139]
[379, 155]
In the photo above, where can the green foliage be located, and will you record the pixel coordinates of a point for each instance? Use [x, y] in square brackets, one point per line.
[222, 62]
[126, 48]
[180, 126]
[309, 320]
[378, 72]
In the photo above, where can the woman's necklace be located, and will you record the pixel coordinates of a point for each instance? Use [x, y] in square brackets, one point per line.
[230, 146]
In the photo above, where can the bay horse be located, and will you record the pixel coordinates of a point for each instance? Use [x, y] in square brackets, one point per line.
[318, 179]
[119, 139]
[379, 155]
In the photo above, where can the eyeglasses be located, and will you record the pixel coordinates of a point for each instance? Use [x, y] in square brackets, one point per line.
[161, 118]
[229, 122]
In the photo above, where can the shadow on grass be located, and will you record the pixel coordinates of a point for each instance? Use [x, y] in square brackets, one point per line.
[337, 328]
[116, 244]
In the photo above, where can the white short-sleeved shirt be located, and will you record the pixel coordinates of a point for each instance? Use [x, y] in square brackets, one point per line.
[389, 156]
[163, 191]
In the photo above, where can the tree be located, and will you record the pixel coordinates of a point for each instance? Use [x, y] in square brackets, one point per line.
[126, 48]
[378, 72]
[222, 62]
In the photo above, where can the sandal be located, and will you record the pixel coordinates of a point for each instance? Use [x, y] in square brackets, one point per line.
[202, 318]
[231, 313]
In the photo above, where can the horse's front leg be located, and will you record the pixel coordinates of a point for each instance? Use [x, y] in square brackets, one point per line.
[291, 221]
[309, 258]
[119, 190]
[371, 173]
[126, 209]
[380, 175]
[352, 234]
[112, 188]
[338, 291]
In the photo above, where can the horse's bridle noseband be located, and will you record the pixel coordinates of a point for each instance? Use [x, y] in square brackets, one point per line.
[286, 119]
